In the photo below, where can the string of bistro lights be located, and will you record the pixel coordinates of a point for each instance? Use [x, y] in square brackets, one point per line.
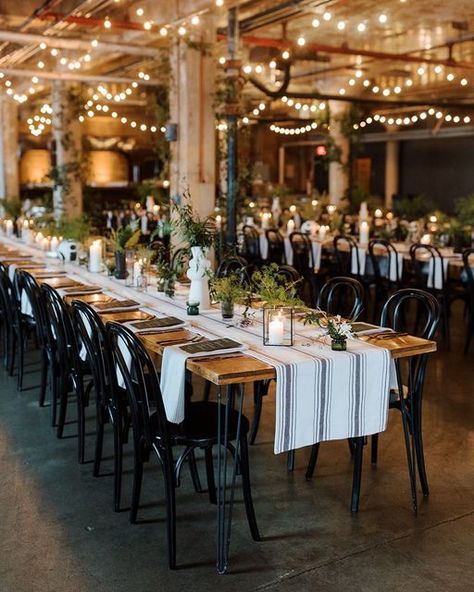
[326, 19]
[412, 119]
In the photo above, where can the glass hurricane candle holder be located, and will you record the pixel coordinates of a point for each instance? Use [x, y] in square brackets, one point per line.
[278, 326]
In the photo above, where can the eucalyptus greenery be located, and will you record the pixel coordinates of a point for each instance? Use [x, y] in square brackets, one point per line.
[465, 209]
[77, 229]
[124, 238]
[190, 227]
[11, 206]
[228, 289]
[274, 289]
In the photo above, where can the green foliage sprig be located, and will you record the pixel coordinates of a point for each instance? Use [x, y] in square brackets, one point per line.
[125, 238]
[273, 289]
[190, 227]
[464, 207]
[228, 289]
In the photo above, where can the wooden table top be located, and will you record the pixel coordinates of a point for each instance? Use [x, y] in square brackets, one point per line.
[239, 368]
[232, 368]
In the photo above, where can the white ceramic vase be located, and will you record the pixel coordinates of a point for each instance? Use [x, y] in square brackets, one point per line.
[198, 270]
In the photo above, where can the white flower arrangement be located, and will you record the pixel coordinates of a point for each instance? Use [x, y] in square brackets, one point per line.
[334, 326]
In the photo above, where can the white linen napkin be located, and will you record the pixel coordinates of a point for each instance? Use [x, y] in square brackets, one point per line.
[172, 383]
[362, 255]
[440, 272]
[317, 250]
[288, 251]
[263, 246]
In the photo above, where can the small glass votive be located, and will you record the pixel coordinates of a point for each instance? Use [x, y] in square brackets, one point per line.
[278, 326]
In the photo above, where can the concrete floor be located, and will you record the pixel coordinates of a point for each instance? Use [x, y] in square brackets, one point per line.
[58, 531]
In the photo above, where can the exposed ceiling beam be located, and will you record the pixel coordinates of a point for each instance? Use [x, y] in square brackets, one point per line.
[73, 76]
[70, 43]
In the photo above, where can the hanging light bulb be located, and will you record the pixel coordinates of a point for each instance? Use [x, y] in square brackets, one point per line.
[182, 30]
[107, 23]
[195, 20]
[301, 41]
[163, 31]
[315, 23]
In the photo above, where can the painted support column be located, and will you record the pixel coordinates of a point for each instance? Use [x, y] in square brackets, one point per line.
[281, 165]
[67, 153]
[9, 169]
[338, 172]
[193, 153]
[392, 170]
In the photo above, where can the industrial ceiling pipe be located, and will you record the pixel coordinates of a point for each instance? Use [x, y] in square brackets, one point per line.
[344, 50]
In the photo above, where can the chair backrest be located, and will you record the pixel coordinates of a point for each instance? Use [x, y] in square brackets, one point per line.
[289, 273]
[428, 266]
[251, 243]
[396, 313]
[342, 295]
[143, 388]
[384, 257]
[468, 273]
[276, 246]
[421, 320]
[230, 265]
[26, 284]
[10, 305]
[62, 334]
[302, 249]
[347, 256]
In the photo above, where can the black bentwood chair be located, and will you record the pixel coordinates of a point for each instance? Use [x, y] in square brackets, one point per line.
[111, 399]
[252, 245]
[407, 398]
[468, 277]
[342, 295]
[10, 313]
[276, 247]
[70, 369]
[152, 433]
[26, 325]
[386, 269]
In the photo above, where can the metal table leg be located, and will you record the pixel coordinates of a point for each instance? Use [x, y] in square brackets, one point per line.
[224, 506]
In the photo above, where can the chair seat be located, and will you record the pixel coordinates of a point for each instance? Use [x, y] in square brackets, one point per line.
[200, 424]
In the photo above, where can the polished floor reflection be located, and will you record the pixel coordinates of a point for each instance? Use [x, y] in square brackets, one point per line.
[58, 531]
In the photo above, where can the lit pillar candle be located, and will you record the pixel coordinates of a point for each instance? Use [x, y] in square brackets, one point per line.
[144, 224]
[150, 203]
[137, 273]
[322, 232]
[266, 220]
[363, 212]
[156, 210]
[276, 330]
[95, 256]
[54, 244]
[45, 244]
[9, 227]
[425, 239]
[290, 227]
[218, 222]
[364, 233]
[378, 214]
[38, 238]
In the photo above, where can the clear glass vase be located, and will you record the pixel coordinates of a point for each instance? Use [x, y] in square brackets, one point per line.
[227, 309]
[339, 343]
